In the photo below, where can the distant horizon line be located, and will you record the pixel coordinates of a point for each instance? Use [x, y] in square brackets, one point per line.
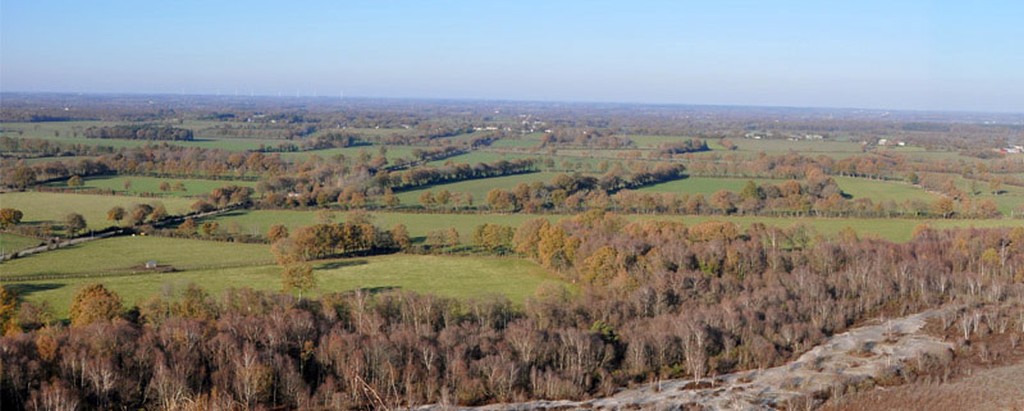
[512, 100]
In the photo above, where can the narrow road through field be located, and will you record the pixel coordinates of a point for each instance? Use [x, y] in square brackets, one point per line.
[114, 233]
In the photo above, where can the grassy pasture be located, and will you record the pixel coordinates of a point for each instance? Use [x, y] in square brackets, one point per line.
[376, 132]
[481, 156]
[705, 185]
[393, 152]
[519, 141]
[878, 190]
[458, 277]
[835, 148]
[64, 132]
[1011, 198]
[10, 242]
[122, 254]
[52, 207]
[894, 229]
[653, 142]
[151, 185]
[419, 225]
[478, 188]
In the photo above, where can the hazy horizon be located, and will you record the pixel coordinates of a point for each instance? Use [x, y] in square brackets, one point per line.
[919, 55]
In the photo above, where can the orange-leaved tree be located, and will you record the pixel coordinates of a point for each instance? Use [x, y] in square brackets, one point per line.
[94, 303]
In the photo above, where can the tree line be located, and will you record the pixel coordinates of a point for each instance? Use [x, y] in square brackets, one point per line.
[140, 132]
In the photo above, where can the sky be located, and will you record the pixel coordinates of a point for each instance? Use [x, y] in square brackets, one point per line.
[924, 55]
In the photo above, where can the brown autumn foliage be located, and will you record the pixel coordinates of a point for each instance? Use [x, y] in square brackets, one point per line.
[94, 303]
[683, 301]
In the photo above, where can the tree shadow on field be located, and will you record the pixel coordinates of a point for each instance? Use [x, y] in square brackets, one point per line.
[233, 213]
[341, 264]
[23, 290]
[375, 290]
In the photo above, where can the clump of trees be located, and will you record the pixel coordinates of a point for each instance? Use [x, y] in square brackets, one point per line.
[10, 217]
[94, 303]
[425, 175]
[352, 237]
[686, 146]
[589, 138]
[572, 192]
[155, 132]
[74, 223]
[495, 238]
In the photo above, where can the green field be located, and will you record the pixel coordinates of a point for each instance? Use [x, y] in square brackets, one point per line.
[125, 254]
[376, 132]
[52, 207]
[1011, 198]
[519, 141]
[705, 185]
[812, 148]
[419, 225]
[393, 153]
[480, 156]
[894, 229]
[458, 277]
[477, 188]
[878, 190]
[653, 142]
[10, 242]
[151, 185]
[64, 132]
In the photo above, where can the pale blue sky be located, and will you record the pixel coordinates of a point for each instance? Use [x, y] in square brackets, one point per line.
[873, 54]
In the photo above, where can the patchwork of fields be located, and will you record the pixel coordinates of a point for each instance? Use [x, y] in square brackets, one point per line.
[217, 266]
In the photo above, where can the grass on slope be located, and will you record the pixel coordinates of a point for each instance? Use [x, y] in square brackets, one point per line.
[478, 188]
[151, 185]
[1008, 201]
[894, 229]
[458, 277]
[127, 254]
[393, 153]
[52, 207]
[10, 242]
[72, 132]
[878, 190]
[706, 185]
[419, 225]
[480, 156]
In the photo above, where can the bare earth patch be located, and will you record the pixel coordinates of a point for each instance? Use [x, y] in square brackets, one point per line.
[999, 388]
